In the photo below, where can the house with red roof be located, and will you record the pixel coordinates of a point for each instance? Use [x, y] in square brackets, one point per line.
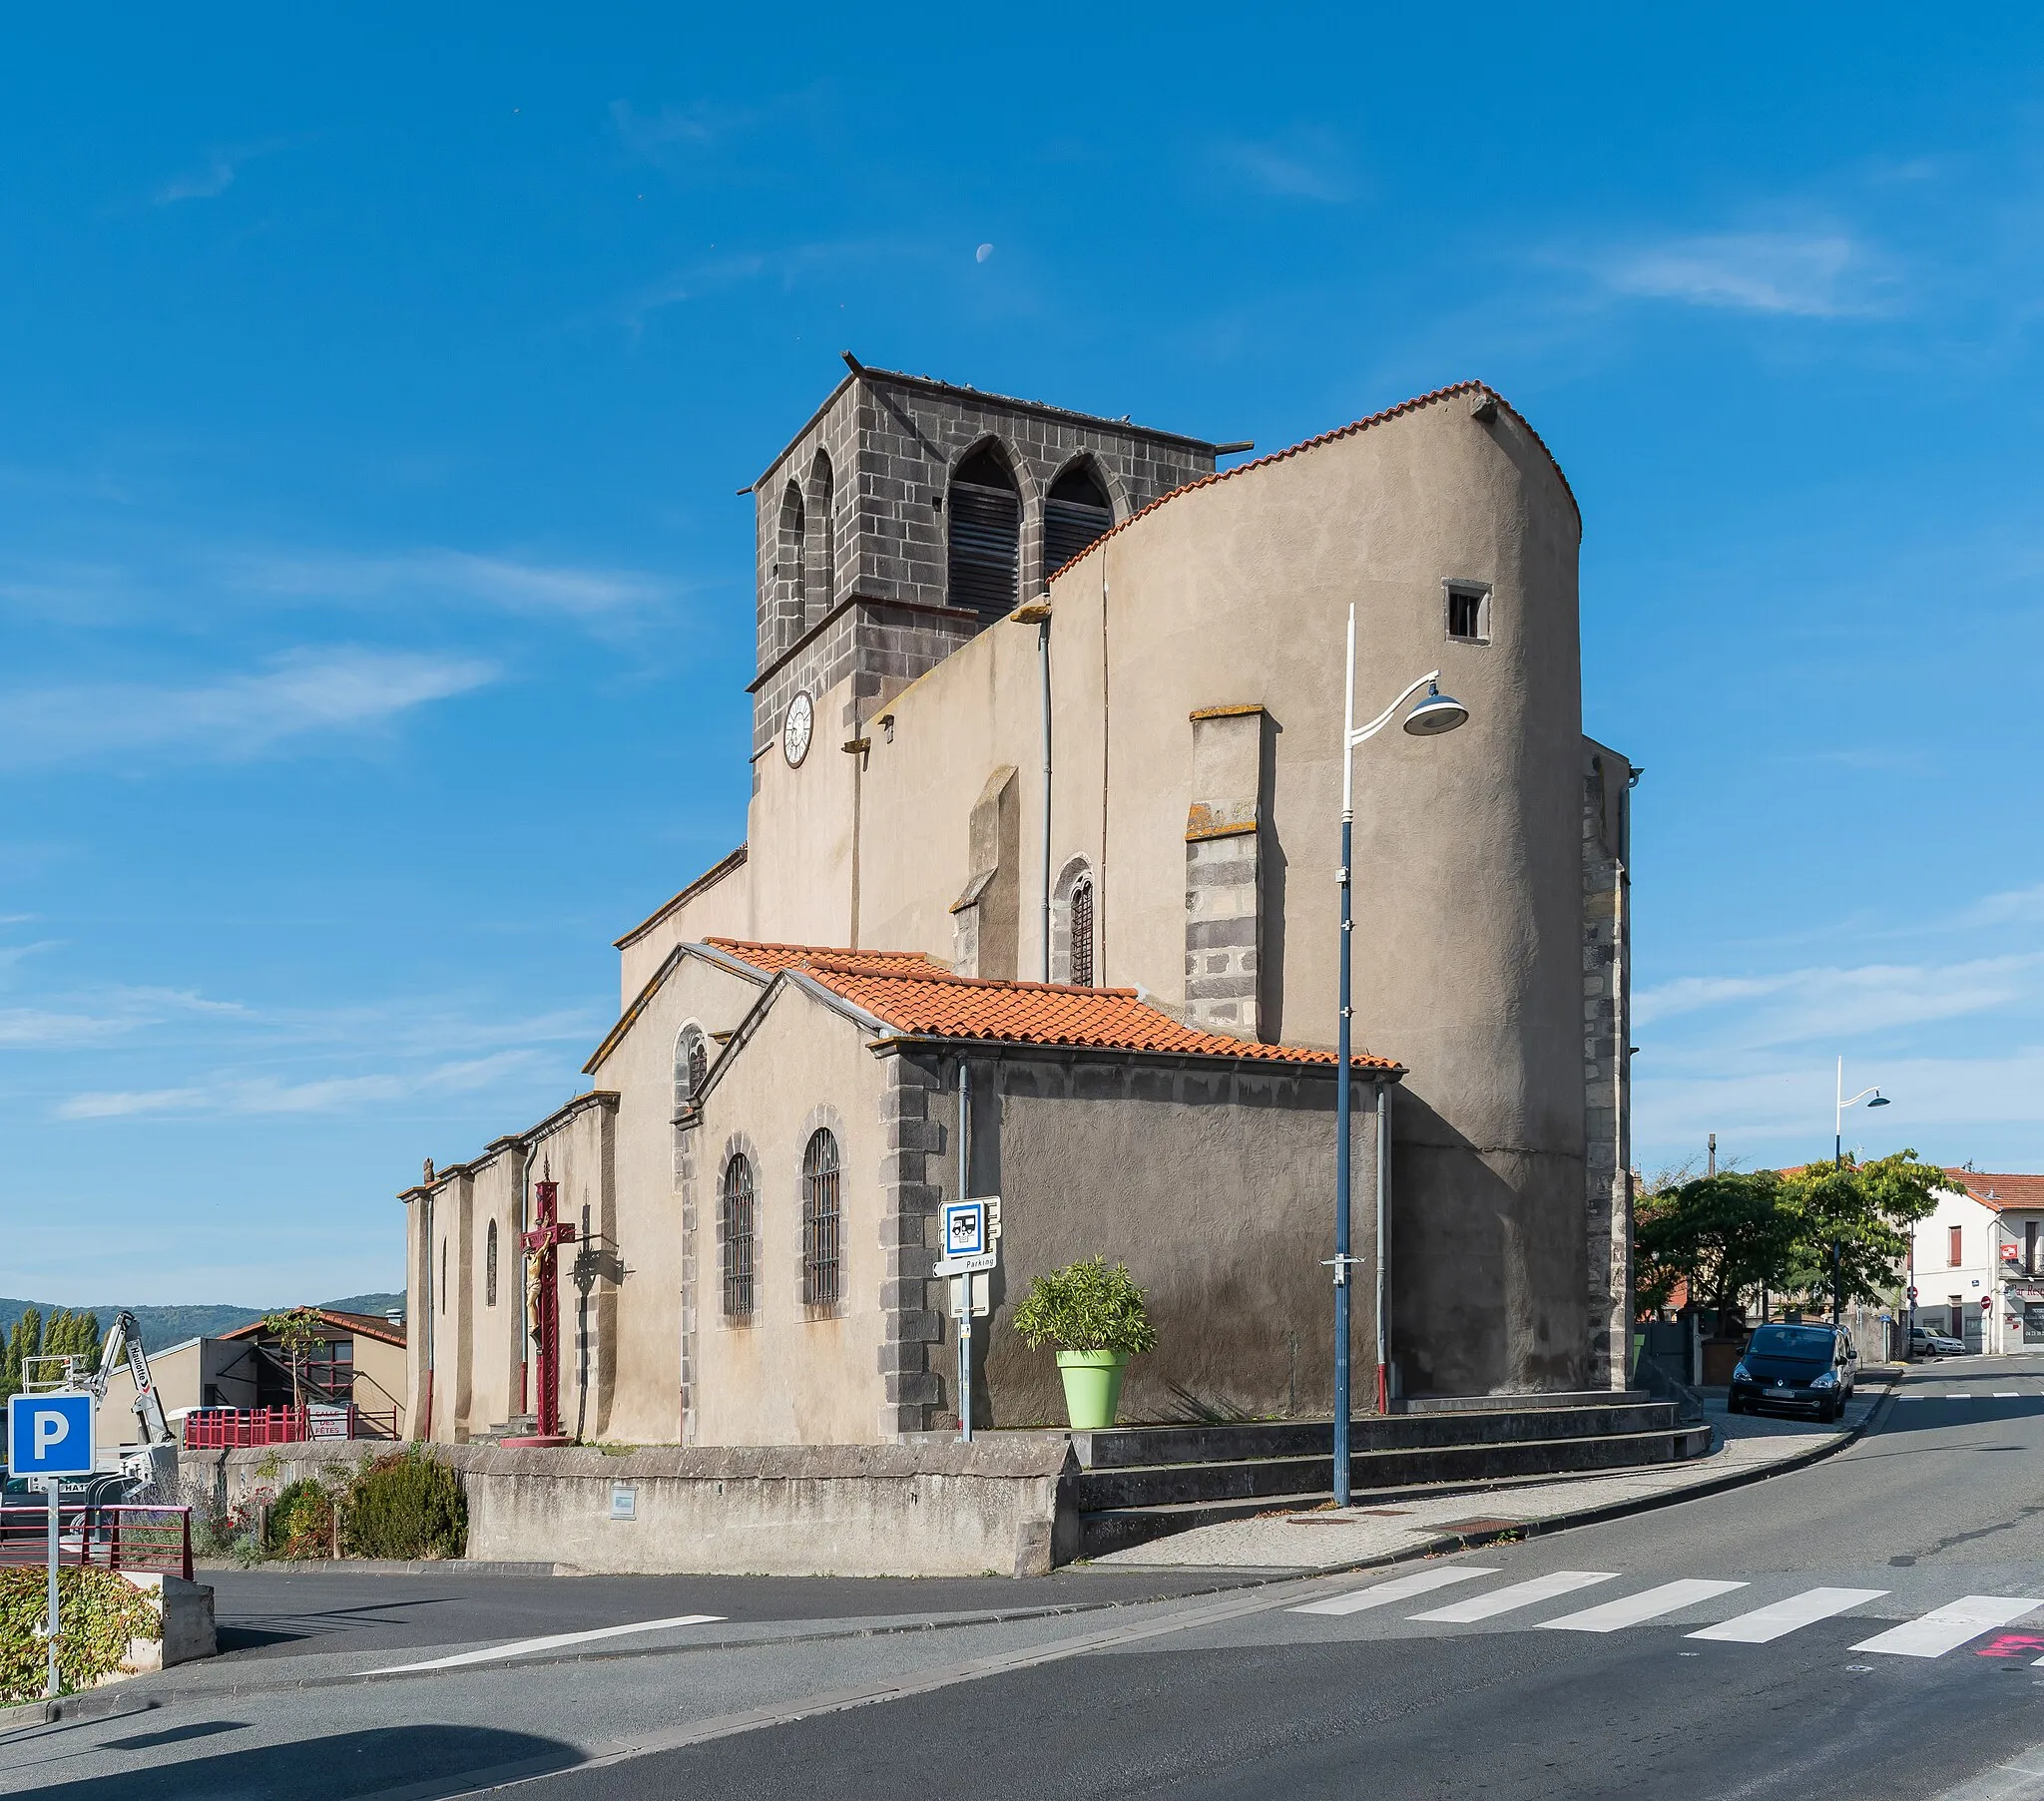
[1037, 900]
[1977, 1264]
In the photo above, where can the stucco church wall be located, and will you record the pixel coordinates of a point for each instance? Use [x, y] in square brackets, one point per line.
[655, 1247]
[722, 910]
[786, 1377]
[1215, 1185]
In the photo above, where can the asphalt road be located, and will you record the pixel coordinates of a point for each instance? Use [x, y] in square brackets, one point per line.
[1872, 1623]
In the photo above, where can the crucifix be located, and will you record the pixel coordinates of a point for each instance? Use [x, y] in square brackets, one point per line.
[542, 1304]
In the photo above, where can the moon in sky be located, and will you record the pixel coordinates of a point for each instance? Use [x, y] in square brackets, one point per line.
[984, 253]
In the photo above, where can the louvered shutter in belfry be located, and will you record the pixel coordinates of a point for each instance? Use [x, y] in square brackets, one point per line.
[986, 540]
[1068, 528]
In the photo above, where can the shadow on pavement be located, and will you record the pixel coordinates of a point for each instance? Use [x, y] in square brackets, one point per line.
[254, 1632]
[334, 1768]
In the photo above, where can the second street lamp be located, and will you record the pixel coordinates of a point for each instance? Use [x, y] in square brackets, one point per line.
[1432, 717]
[1874, 1097]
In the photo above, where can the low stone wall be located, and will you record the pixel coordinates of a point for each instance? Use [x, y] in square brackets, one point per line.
[185, 1610]
[822, 1510]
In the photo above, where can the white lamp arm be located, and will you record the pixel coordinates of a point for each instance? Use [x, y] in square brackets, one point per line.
[1363, 732]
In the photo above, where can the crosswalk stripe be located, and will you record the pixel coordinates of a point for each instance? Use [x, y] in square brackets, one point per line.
[2006, 1394]
[1518, 1594]
[1401, 1589]
[1779, 1618]
[1650, 1603]
[1944, 1629]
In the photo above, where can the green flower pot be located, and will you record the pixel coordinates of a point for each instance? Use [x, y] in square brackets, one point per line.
[1093, 1387]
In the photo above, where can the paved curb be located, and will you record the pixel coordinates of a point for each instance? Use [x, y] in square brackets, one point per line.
[94, 1705]
[377, 1566]
[1449, 1543]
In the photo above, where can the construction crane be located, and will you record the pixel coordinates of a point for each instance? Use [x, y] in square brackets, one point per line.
[124, 1342]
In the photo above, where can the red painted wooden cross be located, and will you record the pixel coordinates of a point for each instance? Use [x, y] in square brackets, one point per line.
[542, 1293]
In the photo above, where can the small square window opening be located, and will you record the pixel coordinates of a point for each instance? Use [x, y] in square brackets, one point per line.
[1469, 611]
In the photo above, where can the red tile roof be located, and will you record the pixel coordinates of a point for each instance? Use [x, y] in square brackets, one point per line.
[1328, 437]
[2001, 1191]
[362, 1325]
[772, 958]
[942, 1006]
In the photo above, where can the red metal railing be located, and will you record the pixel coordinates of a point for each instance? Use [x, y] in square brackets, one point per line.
[114, 1537]
[230, 1428]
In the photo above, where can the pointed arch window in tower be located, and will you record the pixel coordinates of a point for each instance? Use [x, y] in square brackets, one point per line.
[1076, 513]
[986, 535]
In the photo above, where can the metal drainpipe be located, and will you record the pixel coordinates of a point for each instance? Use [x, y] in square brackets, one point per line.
[1043, 667]
[1383, 1247]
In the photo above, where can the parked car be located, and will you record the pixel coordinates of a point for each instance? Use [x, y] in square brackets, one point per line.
[1925, 1343]
[1802, 1368]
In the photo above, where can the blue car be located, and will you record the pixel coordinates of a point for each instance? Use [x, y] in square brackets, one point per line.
[1798, 1369]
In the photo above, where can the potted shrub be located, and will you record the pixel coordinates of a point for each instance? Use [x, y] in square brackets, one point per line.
[1091, 1311]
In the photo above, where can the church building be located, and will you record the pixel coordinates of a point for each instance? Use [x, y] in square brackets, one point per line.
[1039, 898]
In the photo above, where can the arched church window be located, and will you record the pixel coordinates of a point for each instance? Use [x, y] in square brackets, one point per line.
[735, 1227]
[1074, 931]
[820, 545]
[1076, 512]
[490, 1266]
[691, 1064]
[1082, 932]
[986, 535]
[822, 1283]
[789, 557]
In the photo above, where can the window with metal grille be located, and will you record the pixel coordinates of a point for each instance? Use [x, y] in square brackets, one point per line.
[821, 1220]
[986, 535]
[737, 1230]
[1082, 932]
[1076, 512]
[490, 1266]
[691, 1065]
[1469, 611]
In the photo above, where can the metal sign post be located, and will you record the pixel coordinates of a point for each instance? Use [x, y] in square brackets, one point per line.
[50, 1436]
[972, 1230]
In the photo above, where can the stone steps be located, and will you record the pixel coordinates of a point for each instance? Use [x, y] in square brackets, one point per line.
[1196, 1476]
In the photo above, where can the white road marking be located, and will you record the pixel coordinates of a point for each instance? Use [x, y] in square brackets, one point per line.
[2006, 1394]
[1779, 1618]
[1650, 1603]
[524, 1648]
[1402, 1588]
[1946, 1627]
[1518, 1594]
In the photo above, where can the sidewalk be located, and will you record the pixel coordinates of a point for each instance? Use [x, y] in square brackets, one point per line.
[1744, 1447]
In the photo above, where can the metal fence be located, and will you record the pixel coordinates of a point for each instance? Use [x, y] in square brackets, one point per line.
[118, 1536]
[231, 1428]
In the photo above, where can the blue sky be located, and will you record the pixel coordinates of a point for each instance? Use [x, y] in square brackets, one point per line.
[375, 386]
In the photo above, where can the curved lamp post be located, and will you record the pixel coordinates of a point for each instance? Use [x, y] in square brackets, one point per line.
[1874, 1097]
[1432, 717]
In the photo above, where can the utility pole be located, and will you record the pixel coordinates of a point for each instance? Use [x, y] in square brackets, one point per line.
[1710, 1168]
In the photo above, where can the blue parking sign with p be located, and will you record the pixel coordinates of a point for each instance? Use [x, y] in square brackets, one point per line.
[49, 1434]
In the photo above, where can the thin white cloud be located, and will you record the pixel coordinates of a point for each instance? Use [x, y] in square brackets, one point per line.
[507, 583]
[1303, 166]
[268, 1097]
[303, 693]
[1806, 1005]
[656, 136]
[105, 1015]
[1812, 274]
[215, 179]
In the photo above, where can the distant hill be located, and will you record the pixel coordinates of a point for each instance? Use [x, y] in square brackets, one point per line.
[164, 1326]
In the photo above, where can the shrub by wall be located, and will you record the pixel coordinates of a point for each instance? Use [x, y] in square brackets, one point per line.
[301, 1521]
[97, 1613]
[405, 1505]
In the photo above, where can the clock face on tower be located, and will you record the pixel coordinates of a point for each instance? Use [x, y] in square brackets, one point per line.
[797, 729]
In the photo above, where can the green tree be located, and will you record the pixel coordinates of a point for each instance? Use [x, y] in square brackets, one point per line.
[24, 1342]
[1721, 1234]
[298, 1331]
[1850, 1225]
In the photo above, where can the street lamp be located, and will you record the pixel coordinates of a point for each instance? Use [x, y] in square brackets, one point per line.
[1433, 716]
[1874, 1097]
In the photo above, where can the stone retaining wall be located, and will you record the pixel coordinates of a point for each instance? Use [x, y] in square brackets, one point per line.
[828, 1509]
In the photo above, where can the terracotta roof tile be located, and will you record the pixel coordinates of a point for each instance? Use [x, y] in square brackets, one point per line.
[944, 1006]
[1328, 437]
[772, 958]
[2001, 1191]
